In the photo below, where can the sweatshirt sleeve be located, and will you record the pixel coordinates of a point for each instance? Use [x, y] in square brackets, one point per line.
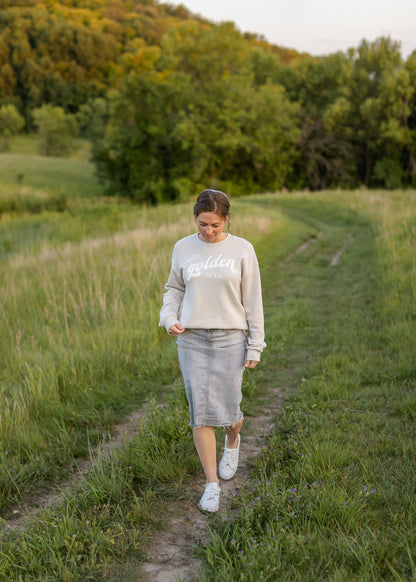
[253, 305]
[172, 299]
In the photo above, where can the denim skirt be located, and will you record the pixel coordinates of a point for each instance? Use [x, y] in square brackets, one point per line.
[212, 365]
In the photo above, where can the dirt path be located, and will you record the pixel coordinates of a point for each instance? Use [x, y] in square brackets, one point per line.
[302, 248]
[337, 257]
[171, 554]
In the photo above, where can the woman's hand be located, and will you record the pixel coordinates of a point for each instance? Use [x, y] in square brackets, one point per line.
[176, 329]
[251, 364]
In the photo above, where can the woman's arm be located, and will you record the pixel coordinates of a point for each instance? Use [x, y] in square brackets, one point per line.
[172, 299]
[252, 301]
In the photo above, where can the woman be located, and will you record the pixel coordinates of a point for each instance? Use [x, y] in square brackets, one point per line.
[213, 305]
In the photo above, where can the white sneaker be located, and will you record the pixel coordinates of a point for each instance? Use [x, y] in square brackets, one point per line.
[229, 461]
[210, 501]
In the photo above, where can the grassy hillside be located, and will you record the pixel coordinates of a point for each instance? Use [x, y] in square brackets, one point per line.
[81, 290]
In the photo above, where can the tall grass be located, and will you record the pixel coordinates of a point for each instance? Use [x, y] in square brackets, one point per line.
[80, 344]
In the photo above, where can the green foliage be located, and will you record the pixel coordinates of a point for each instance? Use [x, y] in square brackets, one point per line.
[195, 119]
[389, 172]
[45, 57]
[92, 118]
[65, 53]
[11, 122]
[373, 110]
[240, 135]
[325, 159]
[410, 162]
[56, 130]
[225, 120]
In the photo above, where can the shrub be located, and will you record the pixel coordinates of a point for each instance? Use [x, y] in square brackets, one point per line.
[56, 130]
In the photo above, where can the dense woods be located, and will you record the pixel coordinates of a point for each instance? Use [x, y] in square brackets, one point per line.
[173, 103]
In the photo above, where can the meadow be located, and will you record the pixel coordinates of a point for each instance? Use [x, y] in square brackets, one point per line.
[332, 495]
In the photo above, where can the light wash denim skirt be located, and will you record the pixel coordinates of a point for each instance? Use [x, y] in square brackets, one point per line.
[212, 365]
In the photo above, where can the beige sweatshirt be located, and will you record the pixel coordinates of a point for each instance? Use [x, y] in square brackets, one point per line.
[215, 286]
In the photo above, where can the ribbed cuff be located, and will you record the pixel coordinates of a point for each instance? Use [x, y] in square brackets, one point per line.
[169, 322]
[253, 355]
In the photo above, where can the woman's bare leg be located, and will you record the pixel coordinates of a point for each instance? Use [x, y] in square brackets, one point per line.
[232, 434]
[205, 443]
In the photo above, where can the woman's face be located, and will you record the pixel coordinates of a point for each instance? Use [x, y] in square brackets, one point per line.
[211, 226]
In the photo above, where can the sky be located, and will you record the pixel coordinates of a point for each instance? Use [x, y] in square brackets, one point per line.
[318, 27]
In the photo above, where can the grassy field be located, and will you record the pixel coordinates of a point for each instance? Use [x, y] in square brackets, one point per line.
[80, 347]
[335, 494]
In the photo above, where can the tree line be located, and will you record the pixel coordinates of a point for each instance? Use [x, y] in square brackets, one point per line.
[184, 104]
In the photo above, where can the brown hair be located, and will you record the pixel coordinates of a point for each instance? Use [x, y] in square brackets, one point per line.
[212, 201]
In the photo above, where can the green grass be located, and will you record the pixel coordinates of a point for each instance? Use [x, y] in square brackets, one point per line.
[332, 496]
[335, 494]
[22, 144]
[37, 173]
[27, 145]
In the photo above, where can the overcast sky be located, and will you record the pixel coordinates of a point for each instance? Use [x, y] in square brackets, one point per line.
[318, 27]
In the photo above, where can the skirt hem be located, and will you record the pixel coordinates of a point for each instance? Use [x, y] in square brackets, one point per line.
[221, 425]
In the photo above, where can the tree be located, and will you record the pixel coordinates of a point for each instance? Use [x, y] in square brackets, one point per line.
[92, 118]
[237, 134]
[324, 159]
[46, 57]
[372, 111]
[139, 156]
[56, 130]
[195, 118]
[11, 123]
[410, 157]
